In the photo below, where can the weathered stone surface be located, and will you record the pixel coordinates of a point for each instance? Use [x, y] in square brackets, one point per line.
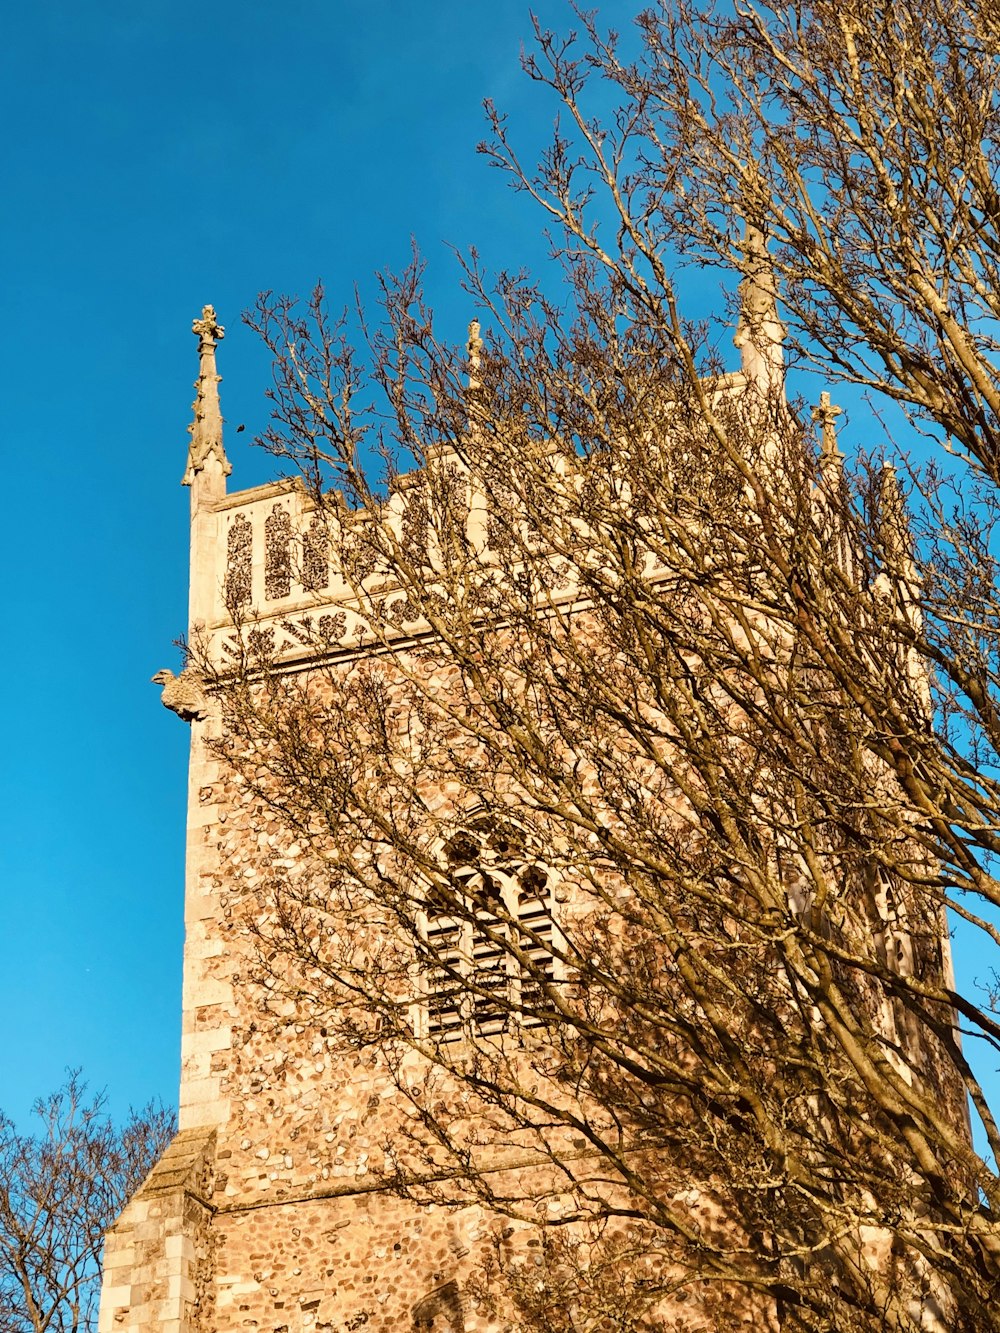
[158, 1257]
[272, 1210]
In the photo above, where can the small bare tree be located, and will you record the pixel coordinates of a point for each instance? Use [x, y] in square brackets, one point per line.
[676, 738]
[60, 1190]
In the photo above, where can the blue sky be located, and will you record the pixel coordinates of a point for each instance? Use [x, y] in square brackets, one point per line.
[159, 155]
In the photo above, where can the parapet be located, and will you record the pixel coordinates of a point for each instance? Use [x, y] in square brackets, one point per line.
[291, 570]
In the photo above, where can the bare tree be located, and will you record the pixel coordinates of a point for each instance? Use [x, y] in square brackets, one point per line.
[676, 737]
[60, 1190]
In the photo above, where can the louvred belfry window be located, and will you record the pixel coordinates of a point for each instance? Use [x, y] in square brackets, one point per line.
[488, 940]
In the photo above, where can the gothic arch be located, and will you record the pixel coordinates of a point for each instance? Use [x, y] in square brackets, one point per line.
[440, 1311]
[472, 978]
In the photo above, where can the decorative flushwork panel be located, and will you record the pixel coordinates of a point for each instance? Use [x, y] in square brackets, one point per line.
[414, 525]
[356, 553]
[277, 553]
[239, 563]
[280, 636]
[315, 556]
[333, 627]
[287, 558]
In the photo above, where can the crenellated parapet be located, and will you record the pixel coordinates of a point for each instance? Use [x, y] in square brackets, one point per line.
[286, 574]
[295, 574]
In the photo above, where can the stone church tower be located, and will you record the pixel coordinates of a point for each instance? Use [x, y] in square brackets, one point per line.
[268, 1213]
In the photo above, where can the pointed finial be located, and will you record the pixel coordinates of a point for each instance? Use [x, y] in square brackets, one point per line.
[895, 525]
[206, 429]
[760, 332]
[899, 576]
[825, 415]
[475, 350]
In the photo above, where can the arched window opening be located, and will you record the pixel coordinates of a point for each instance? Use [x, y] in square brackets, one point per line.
[441, 1311]
[490, 946]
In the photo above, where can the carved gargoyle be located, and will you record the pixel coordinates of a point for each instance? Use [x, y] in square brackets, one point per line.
[183, 694]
